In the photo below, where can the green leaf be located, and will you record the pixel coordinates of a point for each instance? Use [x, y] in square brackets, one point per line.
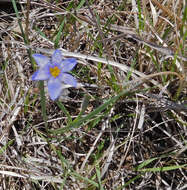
[81, 121]
[6, 146]
[162, 169]
[80, 4]
[85, 179]
[145, 163]
[58, 36]
[62, 107]
[98, 173]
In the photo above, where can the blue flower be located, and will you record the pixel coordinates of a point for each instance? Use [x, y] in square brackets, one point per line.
[54, 70]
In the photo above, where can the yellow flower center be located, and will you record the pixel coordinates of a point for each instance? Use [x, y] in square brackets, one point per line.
[55, 71]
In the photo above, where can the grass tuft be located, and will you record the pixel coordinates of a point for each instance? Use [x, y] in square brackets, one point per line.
[124, 126]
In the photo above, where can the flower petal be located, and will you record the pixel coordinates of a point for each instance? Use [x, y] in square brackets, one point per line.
[41, 74]
[57, 56]
[54, 88]
[68, 64]
[40, 59]
[69, 79]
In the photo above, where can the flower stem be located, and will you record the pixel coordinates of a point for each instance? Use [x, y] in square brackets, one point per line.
[43, 103]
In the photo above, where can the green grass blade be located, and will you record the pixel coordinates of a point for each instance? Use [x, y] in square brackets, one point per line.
[66, 112]
[6, 146]
[80, 4]
[43, 102]
[98, 173]
[19, 22]
[58, 36]
[85, 179]
[40, 32]
[87, 118]
[23, 34]
[129, 182]
[83, 107]
[145, 163]
[162, 169]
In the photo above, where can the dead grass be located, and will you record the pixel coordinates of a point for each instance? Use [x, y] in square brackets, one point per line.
[124, 127]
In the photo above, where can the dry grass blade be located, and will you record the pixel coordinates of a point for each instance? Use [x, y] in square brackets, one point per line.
[124, 126]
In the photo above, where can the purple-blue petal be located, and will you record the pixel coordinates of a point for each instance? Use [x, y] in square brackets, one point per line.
[54, 88]
[42, 73]
[68, 64]
[34, 75]
[57, 56]
[69, 79]
[40, 59]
